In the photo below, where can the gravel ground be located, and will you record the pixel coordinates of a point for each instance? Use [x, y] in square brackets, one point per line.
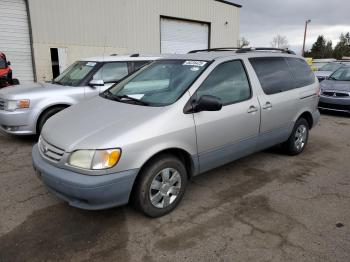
[266, 207]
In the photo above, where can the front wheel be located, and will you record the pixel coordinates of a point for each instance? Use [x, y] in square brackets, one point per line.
[298, 139]
[161, 186]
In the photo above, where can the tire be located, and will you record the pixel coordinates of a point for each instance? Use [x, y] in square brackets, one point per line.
[165, 195]
[46, 115]
[14, 82]
[297, 141]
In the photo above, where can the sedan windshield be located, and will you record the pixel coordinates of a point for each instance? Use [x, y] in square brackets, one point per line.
[159, 84]
[330, 67]
[342, 74]
[74, 74]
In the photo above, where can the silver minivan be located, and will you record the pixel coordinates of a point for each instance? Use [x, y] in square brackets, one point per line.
[145, 137]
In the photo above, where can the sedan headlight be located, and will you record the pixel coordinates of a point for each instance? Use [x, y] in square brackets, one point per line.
[95, 159]
[12, 105]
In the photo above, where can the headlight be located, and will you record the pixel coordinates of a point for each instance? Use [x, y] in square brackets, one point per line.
[95, 159]
[12, 105]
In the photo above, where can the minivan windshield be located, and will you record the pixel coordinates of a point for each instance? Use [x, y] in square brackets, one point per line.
[330, 67]
[159, 84]
[342, 74]
[74, 74]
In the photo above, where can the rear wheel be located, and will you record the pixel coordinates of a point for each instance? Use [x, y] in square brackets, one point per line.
[161, 186]
[46, 115]
[298, 139]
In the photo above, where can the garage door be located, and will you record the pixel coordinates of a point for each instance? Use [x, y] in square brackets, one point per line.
[14, 38]
[180, 37]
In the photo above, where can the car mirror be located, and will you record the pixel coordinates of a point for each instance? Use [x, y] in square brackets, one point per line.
[8, 63]
[96, 82]
[205, 103]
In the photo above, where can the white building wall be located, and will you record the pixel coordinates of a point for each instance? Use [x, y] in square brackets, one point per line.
[96, 27]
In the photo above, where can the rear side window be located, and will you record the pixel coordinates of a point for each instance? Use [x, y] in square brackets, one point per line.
[302, 72]
[273, 73]
[228, 82]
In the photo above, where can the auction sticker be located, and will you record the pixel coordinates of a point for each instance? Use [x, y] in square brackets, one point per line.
[195, 63]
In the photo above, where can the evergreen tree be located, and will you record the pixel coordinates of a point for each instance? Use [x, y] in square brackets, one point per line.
[343, 47]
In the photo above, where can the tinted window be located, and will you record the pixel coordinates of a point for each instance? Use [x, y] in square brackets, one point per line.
[2, 64]
[302, 72]
[228, 81]
[273, 73]
[112, 72]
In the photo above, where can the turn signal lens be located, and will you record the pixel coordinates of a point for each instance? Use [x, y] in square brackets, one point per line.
[106, 158]
[23, 104]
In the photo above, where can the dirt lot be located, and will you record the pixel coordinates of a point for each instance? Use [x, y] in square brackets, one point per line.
[266, 207]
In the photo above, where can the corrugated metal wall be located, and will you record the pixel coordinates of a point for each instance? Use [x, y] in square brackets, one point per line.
[94, 27]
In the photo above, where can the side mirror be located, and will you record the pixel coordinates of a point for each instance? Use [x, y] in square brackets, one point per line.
[8, 63]
[95, 82]
[205, 103]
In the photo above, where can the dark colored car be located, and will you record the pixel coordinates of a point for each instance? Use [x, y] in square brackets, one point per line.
[335, 91]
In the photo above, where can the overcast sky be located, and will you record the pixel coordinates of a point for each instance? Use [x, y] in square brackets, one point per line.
[261, 20]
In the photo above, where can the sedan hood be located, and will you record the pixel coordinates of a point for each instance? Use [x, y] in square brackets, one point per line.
[26, 90]
[336, 85]
[323, 73]
[98, 123]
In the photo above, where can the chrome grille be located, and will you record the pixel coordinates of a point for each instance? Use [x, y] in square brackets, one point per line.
[2, 104]
[50, 151]
[335, 94]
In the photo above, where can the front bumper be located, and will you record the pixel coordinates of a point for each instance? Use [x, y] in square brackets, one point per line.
[334, 104]
[16, 122]
[83, 191]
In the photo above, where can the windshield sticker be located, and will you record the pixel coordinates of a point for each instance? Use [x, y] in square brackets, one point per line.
[137, 96]
[195, 63]
[90, 63]
[195, 68]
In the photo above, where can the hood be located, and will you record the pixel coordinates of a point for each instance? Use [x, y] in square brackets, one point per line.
[27, 90]
[98, 123]
[336, 85]
[323, 73]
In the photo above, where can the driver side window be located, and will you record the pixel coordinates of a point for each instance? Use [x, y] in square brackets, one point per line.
[112, 72]
[228, 82]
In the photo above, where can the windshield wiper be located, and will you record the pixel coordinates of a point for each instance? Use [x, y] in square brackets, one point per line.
[331, 78]
[131, 98]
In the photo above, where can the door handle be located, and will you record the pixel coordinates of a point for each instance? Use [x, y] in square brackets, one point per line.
[268, 105]
[252, 109]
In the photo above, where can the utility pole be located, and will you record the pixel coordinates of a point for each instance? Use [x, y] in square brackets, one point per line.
[306, 23]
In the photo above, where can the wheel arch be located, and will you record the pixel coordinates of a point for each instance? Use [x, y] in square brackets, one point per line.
[308, 117]
[46, 109]
[183, 155]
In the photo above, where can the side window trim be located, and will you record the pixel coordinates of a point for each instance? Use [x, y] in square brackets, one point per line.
[246, 73]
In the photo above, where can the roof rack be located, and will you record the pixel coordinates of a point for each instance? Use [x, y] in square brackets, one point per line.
[252, 49]
[214, 49]
[135, 55]
[113, 54]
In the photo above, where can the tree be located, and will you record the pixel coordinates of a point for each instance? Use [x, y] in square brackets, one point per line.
[243, 42]
[279, 42]
[343, 47]
[319, 47]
